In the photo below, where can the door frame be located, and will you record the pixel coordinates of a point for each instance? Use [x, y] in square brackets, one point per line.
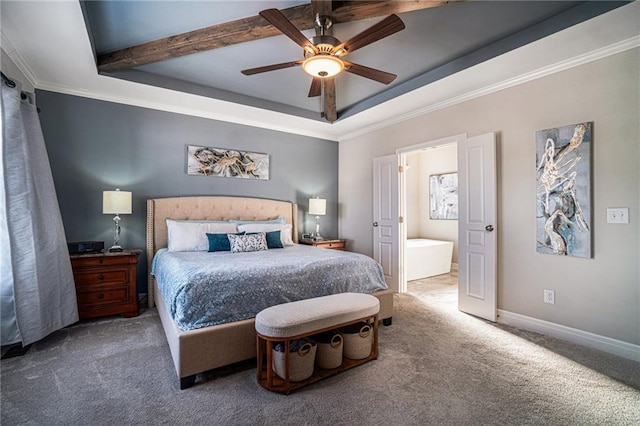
[402, 152]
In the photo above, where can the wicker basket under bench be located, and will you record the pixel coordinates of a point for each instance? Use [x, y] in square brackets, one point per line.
[298, 320]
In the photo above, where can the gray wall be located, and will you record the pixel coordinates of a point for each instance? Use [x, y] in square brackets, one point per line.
[600, 295]
[95, 146]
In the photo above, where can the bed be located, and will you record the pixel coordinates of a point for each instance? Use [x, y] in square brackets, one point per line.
[198, 350]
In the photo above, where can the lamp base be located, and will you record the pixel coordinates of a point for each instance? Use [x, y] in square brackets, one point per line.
[114, 249]
[315, 236]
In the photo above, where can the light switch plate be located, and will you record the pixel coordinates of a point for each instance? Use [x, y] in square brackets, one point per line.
[618, 215]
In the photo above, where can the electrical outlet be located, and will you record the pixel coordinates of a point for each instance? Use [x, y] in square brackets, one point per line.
[549, 296]
[618, 215]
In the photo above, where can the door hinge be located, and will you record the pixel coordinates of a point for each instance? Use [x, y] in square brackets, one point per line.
[400, 169]
[400, 219]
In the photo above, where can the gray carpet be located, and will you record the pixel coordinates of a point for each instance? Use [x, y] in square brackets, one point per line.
[436, 366]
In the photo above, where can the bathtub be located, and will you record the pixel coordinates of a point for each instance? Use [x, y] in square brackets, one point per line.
[426, 258]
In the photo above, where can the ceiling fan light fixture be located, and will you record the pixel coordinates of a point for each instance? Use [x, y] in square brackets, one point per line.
[323, 66]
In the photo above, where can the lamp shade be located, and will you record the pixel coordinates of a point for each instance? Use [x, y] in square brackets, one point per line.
[116, 202]
[317, 206]
[323, 66]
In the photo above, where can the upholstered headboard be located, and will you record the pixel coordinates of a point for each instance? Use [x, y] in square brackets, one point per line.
[208, 208]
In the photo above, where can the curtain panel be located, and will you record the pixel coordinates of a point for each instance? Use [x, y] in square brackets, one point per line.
[37, 287]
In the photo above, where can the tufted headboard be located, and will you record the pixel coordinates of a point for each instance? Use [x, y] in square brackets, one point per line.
[208, 208]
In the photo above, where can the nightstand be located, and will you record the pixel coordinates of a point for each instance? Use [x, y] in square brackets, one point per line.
[106, 283]
[327, 244]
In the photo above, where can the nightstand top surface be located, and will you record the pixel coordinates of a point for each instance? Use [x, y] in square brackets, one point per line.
[125, 252]
[326, 240]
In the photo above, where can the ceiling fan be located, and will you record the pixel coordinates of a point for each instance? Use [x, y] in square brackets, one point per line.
[323, 54]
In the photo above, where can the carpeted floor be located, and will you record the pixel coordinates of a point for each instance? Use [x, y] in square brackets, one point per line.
[436, 366]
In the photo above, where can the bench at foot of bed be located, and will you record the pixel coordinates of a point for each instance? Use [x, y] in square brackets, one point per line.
[282, 368]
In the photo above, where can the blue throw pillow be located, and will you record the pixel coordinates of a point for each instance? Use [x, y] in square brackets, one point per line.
[219, 242]
[274, 240]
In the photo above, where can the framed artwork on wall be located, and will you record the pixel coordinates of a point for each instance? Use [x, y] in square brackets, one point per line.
[221, 162]
[443, 196]
[563, 190]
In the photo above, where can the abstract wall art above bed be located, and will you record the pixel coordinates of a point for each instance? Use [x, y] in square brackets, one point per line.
[563, 166]
[221, 162]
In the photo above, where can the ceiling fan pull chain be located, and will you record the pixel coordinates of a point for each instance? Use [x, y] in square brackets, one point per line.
[322, 100]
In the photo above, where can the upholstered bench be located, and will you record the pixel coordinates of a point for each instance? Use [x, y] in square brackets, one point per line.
[297, 320]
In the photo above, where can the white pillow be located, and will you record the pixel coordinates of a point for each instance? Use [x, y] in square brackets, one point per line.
[186, 235]
[285, 230]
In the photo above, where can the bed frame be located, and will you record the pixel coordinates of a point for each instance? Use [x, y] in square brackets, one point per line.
[197, 351]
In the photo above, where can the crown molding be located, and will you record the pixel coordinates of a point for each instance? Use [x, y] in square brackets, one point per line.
[15, 57]
[567, 64]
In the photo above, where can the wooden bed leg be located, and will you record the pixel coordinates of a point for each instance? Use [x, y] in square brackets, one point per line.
[387, 321]
[187, 382]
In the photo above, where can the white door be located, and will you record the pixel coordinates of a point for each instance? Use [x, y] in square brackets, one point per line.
[386, 240]
[477, 235]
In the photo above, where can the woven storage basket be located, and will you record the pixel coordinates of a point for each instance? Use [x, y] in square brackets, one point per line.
[302, 355]
[329, 353]
[358, 340]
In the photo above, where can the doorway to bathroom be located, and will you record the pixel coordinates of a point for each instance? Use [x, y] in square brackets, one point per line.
[477, 216]
[430, 212]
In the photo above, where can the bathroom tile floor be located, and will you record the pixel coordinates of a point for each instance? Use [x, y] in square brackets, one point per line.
[441, 288]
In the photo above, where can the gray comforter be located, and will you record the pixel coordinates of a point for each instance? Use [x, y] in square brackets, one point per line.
[203, 289]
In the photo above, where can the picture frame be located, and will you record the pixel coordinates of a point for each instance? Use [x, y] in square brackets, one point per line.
[223, 162]
[443, 196]
[563, 190]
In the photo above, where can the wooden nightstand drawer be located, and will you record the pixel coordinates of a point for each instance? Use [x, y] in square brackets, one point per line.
[336, 245]
[106, 283]
[97, 260]
[327, 244]
[106, 276]
[104, 296]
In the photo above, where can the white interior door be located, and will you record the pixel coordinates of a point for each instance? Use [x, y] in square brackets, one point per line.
[386, 239]
[477, 235]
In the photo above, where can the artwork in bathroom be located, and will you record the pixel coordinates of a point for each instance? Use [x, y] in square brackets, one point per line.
[443, 196]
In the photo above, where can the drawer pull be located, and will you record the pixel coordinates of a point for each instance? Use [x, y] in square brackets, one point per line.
[101, 261]
[101, 277]
[101, 296]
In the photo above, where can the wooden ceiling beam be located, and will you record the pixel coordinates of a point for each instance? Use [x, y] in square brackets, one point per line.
[248, 29]
[330, 110]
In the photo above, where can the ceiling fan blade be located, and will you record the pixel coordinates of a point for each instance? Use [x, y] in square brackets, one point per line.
[316, 88]
[278, 20]
[273, 67]
[389, 25]
[330, 112]
[371, 73]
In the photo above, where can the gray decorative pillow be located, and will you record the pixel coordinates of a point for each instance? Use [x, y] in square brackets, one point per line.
[250, 242]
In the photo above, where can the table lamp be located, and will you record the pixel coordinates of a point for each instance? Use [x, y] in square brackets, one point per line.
[317, 207]
[116, 202]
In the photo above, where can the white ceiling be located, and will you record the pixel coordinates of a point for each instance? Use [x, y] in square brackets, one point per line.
[50, 44]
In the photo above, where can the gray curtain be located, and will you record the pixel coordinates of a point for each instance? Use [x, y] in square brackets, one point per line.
[37, 290]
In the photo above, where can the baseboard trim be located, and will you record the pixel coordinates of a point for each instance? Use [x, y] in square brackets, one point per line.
[606, 344]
